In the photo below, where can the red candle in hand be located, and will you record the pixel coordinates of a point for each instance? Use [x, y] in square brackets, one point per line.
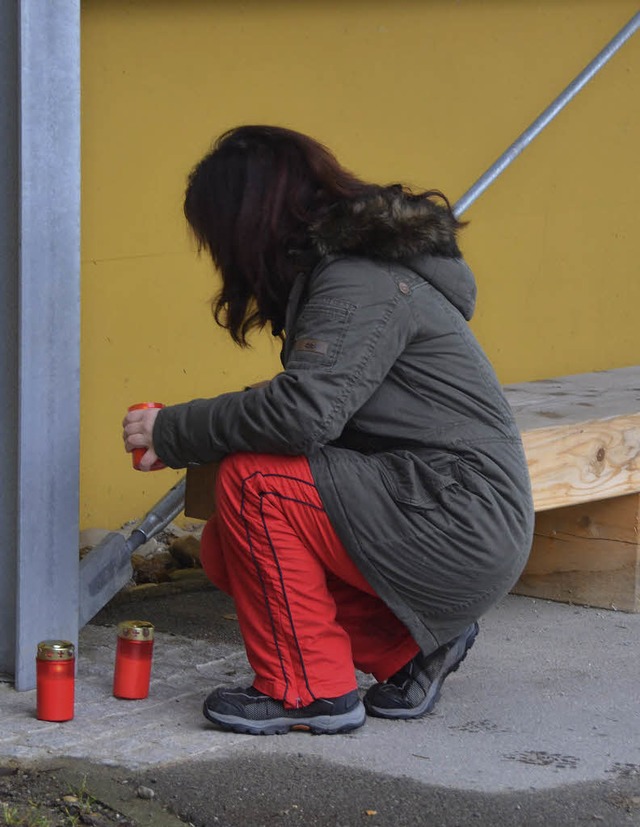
[134, 654]
[55, 680]
[138, 453]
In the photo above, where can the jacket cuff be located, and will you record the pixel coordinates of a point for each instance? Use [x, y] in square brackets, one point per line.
[165, 438]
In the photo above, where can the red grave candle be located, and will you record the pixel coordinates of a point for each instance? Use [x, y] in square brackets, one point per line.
[134, 655]
[55, 680]
[138, 453]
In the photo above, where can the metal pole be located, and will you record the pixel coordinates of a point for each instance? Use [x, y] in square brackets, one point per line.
[547, 116]
[44, 539]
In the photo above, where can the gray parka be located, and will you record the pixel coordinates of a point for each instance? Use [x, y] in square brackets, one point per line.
[385, 389]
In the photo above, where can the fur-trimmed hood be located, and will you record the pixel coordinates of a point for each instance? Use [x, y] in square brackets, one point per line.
[389, 224]
[393, 225]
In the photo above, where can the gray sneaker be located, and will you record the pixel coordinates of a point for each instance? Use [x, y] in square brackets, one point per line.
[414, 689]
[251, 712]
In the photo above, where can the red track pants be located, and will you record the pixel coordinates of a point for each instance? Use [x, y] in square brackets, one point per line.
[306, 614]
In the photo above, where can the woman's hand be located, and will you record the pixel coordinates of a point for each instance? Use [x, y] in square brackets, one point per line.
[138, 433]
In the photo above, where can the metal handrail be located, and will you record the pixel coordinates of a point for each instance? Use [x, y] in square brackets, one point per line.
[547, 116]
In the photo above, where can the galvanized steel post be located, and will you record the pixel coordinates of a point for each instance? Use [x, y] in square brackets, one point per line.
[39, 327]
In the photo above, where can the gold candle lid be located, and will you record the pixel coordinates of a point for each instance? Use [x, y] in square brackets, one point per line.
[55, 650]
[135, 630]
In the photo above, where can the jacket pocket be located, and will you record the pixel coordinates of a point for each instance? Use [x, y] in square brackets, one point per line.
[418, 483]
[319, 333]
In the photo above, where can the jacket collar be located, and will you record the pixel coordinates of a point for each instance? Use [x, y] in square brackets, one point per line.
[388, 224]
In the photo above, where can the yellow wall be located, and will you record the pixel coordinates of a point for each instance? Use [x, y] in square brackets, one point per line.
[429, 93]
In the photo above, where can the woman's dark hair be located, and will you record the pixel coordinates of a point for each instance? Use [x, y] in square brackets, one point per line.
[250, 202]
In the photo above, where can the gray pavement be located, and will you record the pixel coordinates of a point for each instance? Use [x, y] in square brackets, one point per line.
[546, 701]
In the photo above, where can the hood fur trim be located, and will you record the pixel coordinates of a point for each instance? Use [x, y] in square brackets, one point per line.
[390, 224]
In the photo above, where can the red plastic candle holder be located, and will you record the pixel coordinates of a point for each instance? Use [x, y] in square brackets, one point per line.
[134, 655]
[138, 453]
[55, 680]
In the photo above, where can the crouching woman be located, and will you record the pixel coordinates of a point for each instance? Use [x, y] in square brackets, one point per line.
[373, 500]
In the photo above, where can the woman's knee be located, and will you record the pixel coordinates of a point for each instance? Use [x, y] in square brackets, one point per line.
[230, 480]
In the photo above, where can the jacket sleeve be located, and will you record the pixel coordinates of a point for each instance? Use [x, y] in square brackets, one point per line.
[355, 323]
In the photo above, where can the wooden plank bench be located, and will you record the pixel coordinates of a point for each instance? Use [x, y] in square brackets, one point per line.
[582, 440]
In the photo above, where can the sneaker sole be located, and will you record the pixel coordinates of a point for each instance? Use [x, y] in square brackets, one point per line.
[452, 661]
[316, 724]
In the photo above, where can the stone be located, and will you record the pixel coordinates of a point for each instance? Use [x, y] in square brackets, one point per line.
[145, 793]
[152, 569]
[186, 552]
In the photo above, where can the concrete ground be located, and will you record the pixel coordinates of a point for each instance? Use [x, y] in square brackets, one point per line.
[541, 725]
